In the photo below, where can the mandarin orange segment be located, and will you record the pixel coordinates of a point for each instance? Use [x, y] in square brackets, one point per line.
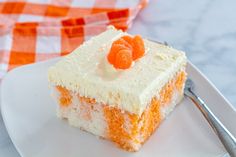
[128, 39]
[111, 57]
[138, 47]
[123, 42]
[123, 59]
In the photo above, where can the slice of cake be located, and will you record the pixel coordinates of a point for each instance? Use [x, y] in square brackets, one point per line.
[119, 87]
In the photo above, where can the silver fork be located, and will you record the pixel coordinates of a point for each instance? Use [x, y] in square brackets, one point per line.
[226, 138]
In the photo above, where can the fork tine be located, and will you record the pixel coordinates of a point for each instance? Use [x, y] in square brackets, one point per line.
[164, 43]
[189, 85]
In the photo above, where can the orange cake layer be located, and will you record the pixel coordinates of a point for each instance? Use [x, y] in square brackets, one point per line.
[128, 130]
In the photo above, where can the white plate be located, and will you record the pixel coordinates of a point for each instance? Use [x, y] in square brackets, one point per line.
[29, 114]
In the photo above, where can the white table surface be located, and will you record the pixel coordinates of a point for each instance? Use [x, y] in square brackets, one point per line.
[204, 29]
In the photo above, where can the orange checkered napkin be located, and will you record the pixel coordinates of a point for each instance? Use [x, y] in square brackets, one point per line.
[35, 30]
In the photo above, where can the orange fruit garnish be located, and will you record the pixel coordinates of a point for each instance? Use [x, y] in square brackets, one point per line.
[123, 59]
[128, 39]
[111, 57]
[123, 42]
[138, 47]
[124, 50]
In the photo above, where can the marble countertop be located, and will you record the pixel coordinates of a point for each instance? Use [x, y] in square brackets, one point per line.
[205, 30]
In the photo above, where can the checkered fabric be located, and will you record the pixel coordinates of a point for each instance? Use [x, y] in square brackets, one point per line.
[36, 30]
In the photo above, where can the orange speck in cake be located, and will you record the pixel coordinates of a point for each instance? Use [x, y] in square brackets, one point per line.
[87, 100]
[166, 93]
[180, 81]
[86, 107]
[65, 96]
[151, 119]
[116, 131]
[85, 111]
[134, 120]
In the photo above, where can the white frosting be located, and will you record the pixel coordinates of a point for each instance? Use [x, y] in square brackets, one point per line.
[84, 71]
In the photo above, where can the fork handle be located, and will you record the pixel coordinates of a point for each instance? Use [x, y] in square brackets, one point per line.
[227, 139]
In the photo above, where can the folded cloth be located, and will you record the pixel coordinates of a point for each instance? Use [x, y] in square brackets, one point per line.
[33, 30]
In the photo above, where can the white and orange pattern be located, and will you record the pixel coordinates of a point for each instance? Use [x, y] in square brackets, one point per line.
[128, 130]
[34, 30]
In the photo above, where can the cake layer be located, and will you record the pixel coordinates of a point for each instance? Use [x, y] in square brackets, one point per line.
[87, 72]
[126, 129]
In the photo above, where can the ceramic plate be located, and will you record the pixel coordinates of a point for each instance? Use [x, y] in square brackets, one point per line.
[30, 118]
